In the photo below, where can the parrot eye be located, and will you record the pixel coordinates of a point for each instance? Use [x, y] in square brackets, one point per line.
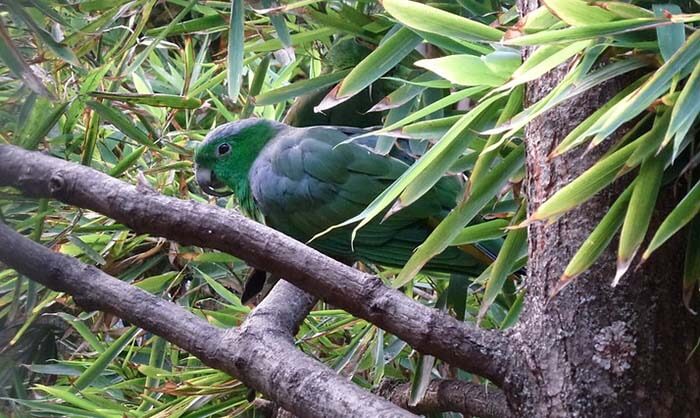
[223, 149]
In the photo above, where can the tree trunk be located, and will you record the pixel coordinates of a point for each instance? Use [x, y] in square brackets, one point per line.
[595, 351]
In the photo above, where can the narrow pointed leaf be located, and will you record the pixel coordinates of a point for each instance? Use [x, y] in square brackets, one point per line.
[99, 365]
[236, 39]
[670, 37]
[377, 63]
[481, 232]
[691, 269]
[586, 185]
[469, 70]
[122, 123]
[684, 212]
[653, 88]
[514, 247]
[596, 243]
[15, 62]
[443, 235]
[591, 31]
[157, 100]
[639, 211]
[419, 16]
[579, 12]
[685, 111]
[404, 93]
[299, 88]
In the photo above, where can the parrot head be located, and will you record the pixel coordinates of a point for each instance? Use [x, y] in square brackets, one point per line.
[227, 153]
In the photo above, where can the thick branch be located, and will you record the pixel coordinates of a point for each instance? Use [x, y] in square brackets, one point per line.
[260, 353]
[469, 399]
[427, 330]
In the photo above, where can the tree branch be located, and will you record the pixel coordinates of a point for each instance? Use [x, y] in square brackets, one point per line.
[443, 395]
[261, 352]
[427, 330]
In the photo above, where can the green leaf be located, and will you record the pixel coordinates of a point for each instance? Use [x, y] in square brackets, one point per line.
[99, 365]
[681, 215]
[481, 232]
[419, 16]
[15, 62]
[542, 60]
[44, 117]
[81, 403]
[469, 70]
[127, 161]
[421, 378]
[236, 40]
[691, 270]
[389, 53]
[443, 235]
[57, 48]
[671, 37]
[579, 12]
[685, 111]
[157, 100]
[638, 101]
[514, 248]
[586, 185]
[579, 33]
[405, 93]
[639, 211]
[299, 88]
[122, 123]
[596, 243]
[217, 287]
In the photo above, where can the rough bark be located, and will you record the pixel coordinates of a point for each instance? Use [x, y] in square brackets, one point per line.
[261, 352]
[427, 330]
[594, 350]
[444, 395]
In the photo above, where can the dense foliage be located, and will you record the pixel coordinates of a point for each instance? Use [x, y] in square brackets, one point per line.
[130, 87]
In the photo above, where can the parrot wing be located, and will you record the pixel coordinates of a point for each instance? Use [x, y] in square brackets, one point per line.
[307, 179]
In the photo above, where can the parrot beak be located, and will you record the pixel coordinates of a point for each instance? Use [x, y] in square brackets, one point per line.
[209, 183]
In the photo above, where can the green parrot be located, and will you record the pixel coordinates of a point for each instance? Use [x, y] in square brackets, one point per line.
[305, 180]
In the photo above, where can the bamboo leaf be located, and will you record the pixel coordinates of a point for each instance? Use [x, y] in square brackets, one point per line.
[103, 360]
[691, 269]
[681, 215]
[670, 37]
[481, 232]
[639, 211]
[419, 16]
[122, 123]
[299, 88]
[638, 101]
[579, 12]
[158, 100]
[404, 94]
[685, 111]
[586, 185]
[236, 40]
[514, 248]
[57, 48]
[469, 70]
[389, 53]
[595, 30]
[443, 235]
[14, 61]
[596, 243]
